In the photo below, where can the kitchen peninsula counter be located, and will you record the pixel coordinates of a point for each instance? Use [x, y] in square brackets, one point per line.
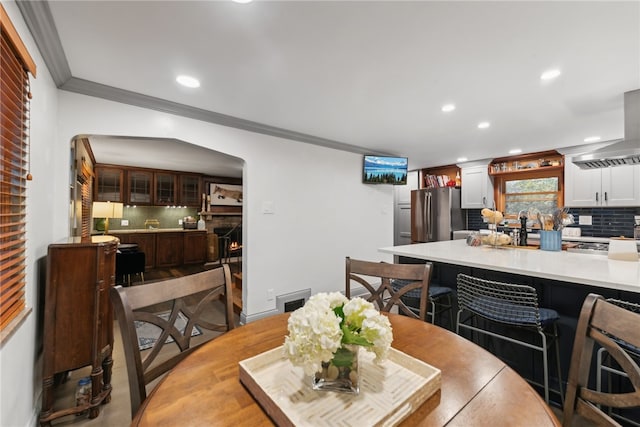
[562, 281]
[578, 268]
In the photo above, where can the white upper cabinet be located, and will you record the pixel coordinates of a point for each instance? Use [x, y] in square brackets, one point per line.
[621, 186]
[477, 187]
[614, 186]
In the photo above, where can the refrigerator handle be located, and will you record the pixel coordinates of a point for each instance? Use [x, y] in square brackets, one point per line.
[429, 216]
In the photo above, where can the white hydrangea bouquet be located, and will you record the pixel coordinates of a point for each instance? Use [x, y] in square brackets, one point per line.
[328, 321]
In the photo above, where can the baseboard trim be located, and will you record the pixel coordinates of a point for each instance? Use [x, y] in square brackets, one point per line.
[244, 319]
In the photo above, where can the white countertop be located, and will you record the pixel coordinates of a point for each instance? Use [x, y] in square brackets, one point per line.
[580, 268]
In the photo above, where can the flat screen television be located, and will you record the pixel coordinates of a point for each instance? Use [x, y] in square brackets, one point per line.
[385, 170]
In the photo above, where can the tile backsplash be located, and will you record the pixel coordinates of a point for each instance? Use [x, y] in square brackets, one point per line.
[167, 216]
[605, 222]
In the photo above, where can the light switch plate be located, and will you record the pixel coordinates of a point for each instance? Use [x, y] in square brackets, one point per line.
[124, 222]
[267, 207]
[584, 219]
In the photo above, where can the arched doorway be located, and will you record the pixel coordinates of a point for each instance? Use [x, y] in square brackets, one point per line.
[160, 182]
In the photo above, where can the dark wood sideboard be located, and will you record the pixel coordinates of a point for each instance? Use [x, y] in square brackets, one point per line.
[78, 319]
[168, 248]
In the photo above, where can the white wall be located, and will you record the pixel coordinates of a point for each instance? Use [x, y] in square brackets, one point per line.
[20, 364]
[322, 211]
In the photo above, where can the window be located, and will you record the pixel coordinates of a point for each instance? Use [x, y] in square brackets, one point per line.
[14, 110]
[530, 191]
[530, 194]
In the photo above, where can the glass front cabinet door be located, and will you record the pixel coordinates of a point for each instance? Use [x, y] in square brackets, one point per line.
[165, 189]
[108, 186]
[139, 190]
[190, 193]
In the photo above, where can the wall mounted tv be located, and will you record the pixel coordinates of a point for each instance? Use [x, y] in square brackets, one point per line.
[385, 170]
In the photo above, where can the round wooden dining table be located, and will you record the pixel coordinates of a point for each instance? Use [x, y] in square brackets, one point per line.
[477, 388]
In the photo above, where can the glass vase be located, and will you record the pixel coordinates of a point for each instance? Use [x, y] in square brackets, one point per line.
[341, 373]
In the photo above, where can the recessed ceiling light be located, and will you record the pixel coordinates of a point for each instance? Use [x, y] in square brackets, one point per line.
[592, 139]
[448, 108]
[515, 151]
[483, 125]
[242, 1]
[550, 74]
[188, 81]
[462, 159]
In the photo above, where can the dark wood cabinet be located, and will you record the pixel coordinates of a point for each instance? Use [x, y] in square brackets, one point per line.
[190, 190]
[195, 247]
[108, 185]
[165, 188]
[169, 249]
[146, 243]
[78, 319]
[139, 185]
[154, 187]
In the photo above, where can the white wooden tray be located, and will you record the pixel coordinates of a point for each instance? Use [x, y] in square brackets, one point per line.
[388, 393]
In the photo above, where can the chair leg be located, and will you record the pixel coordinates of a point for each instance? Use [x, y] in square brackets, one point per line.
[450, 302]
[433, 311]
[558, 367]
[443, 307]
[545, 367]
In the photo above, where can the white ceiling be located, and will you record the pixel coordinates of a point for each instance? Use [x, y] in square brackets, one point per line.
[374, 74]
[169, 154]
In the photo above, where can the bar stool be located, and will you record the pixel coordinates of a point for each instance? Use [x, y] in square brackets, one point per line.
[511, 306]
[129, 260]
[440, 299]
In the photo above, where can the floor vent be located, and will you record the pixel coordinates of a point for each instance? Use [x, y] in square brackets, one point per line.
[290, 302]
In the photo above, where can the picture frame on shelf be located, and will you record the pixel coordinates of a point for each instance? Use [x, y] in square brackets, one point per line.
[225, 194]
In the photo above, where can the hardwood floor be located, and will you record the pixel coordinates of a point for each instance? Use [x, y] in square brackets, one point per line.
[116, 413]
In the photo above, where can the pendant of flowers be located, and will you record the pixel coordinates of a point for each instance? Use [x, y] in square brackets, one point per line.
[322, 332]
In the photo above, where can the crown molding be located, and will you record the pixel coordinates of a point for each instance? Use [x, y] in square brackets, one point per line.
[37, 16]
[39, 20]
[86, 87]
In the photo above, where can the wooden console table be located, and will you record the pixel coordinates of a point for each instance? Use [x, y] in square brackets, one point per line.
[78, 319]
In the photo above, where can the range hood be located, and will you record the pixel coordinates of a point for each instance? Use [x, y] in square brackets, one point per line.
[620, 152]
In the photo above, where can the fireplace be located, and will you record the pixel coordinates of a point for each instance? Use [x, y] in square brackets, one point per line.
[228, 238]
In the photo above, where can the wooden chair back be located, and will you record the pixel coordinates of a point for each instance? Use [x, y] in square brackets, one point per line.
[383, 294]
[192, 298]
[607, 325]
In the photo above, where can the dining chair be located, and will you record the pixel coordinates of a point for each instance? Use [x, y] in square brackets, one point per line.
[608, 325]
[177, 308]
[604, 362]
[376, 278]
[510, 307]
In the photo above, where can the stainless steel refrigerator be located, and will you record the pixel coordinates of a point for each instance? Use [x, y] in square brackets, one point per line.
[435, 214]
